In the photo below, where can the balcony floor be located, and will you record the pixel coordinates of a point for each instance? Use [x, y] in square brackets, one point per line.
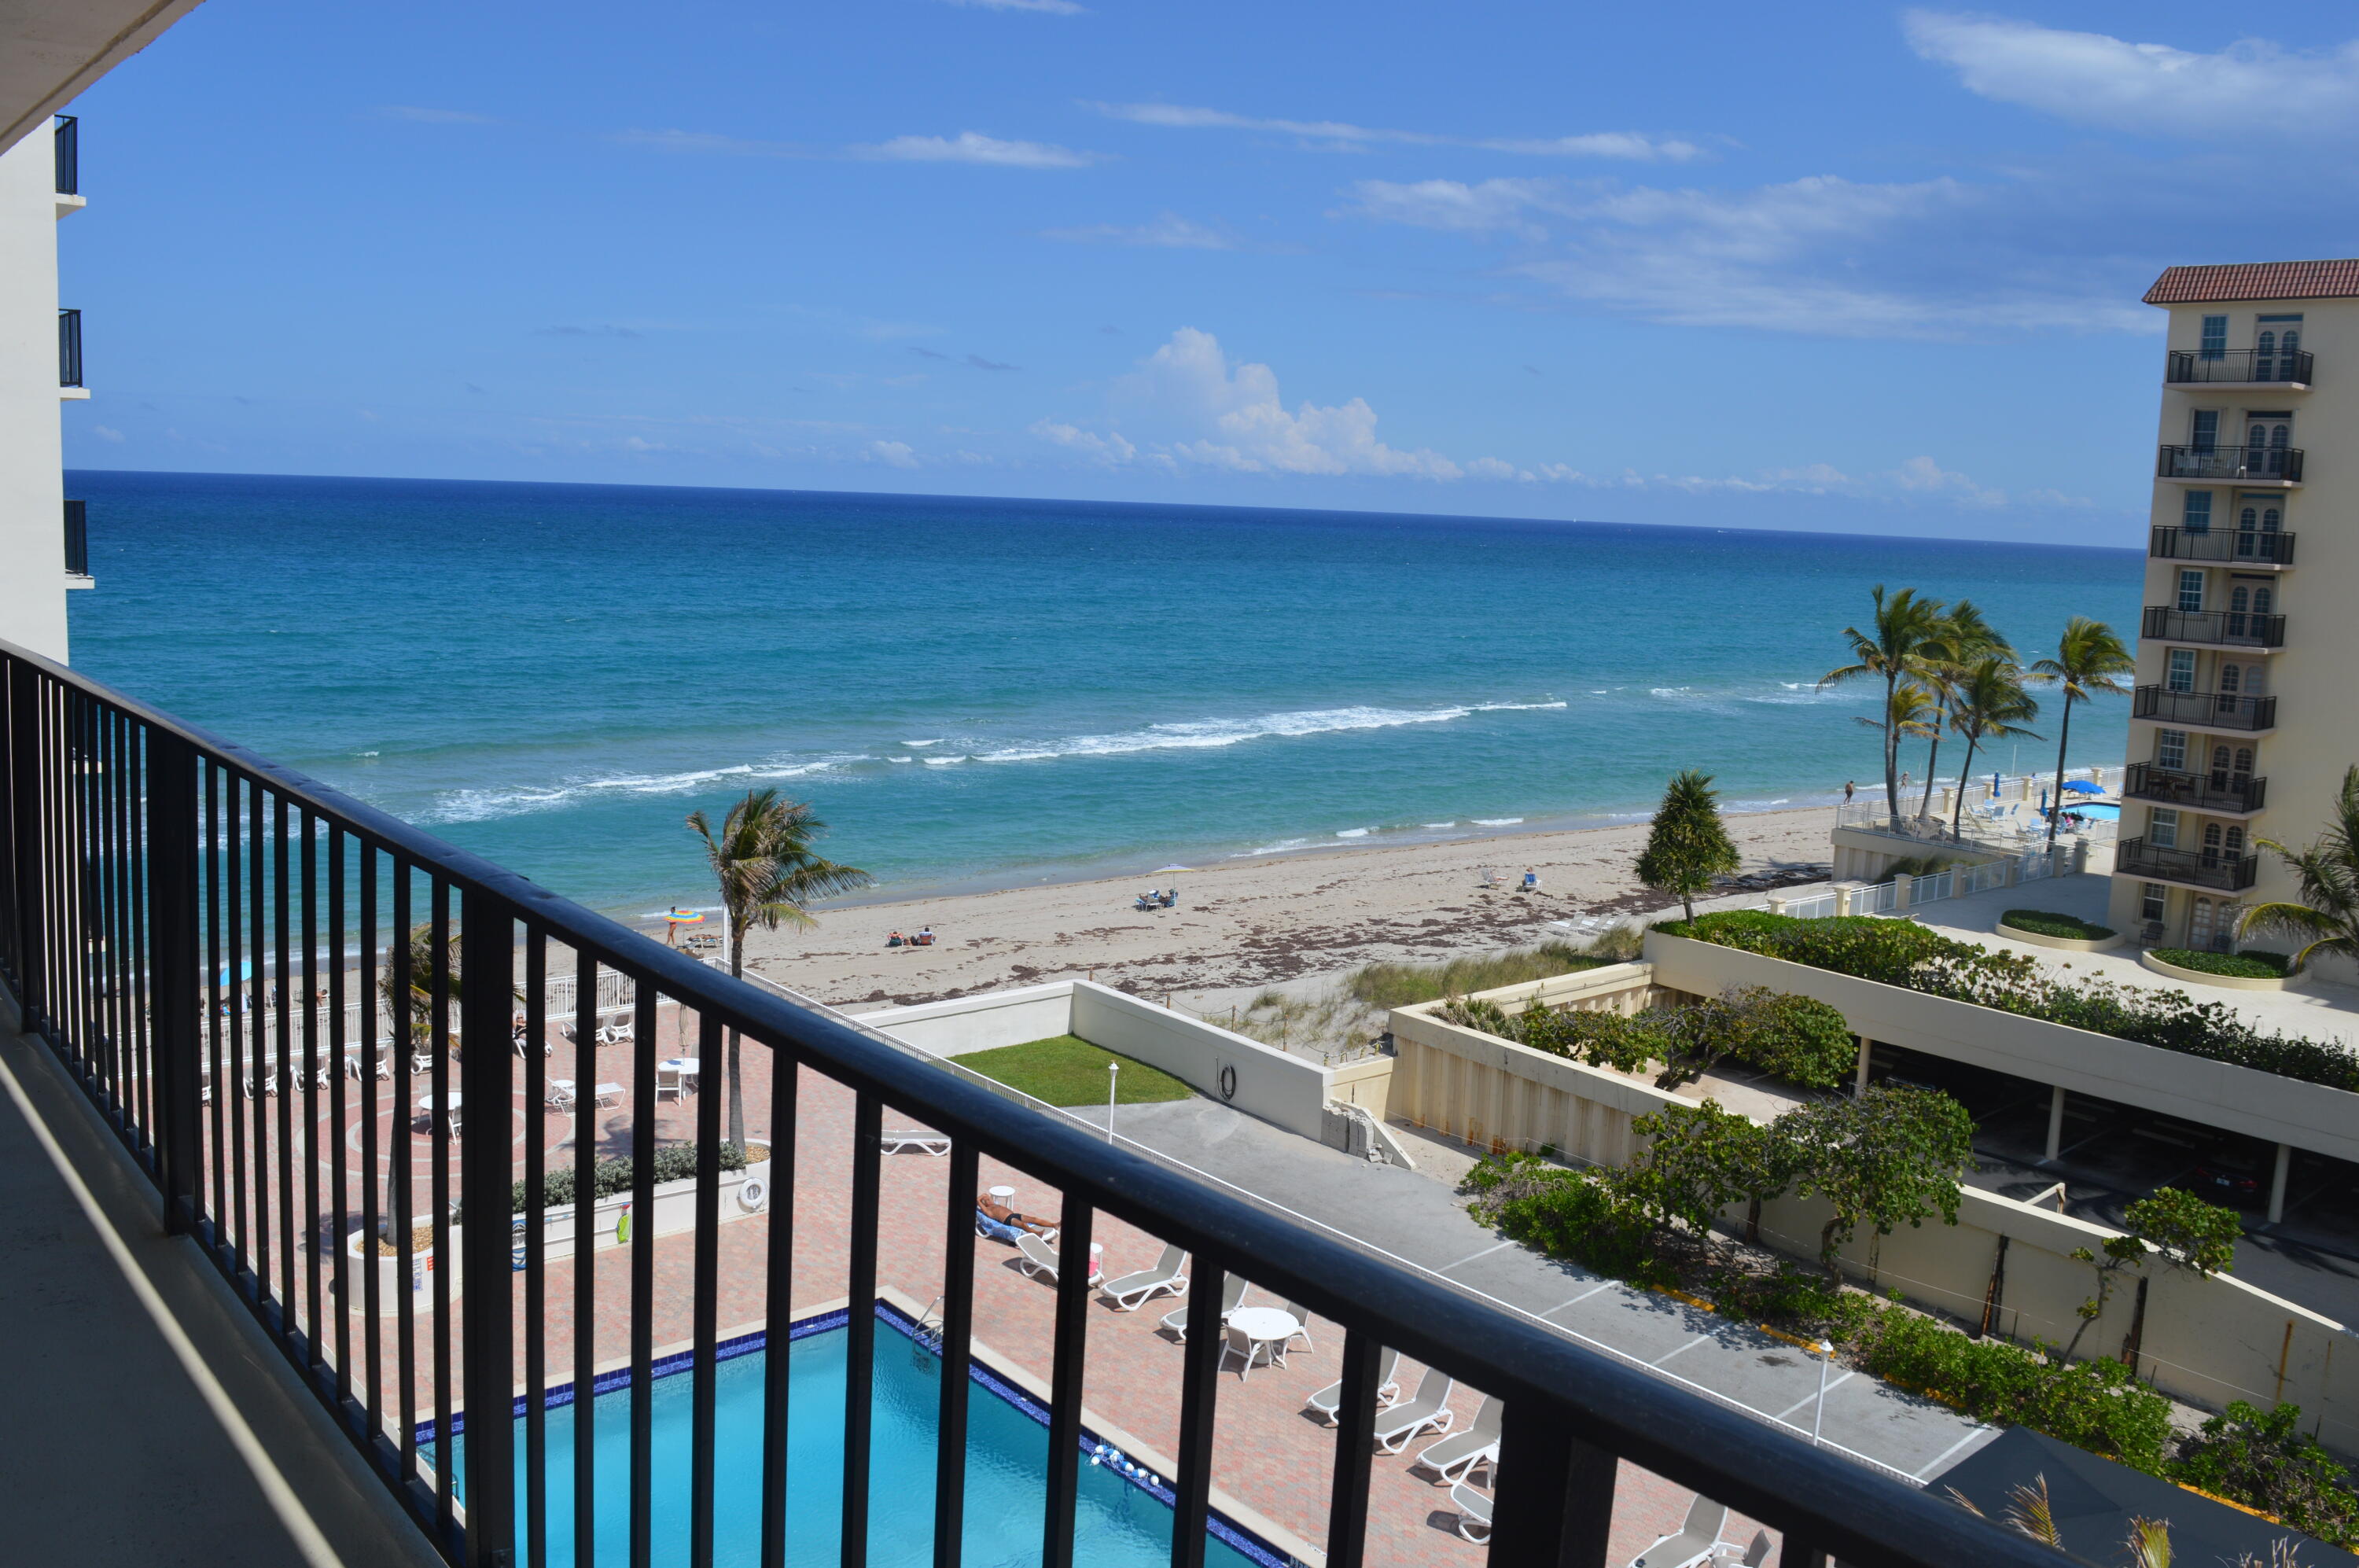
[116, 1454]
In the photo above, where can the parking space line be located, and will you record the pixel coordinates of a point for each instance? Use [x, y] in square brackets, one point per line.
[1601, 1285]
[1700, 1339]
[1806, 1400]
[1472, 1257]
[1935, 1462]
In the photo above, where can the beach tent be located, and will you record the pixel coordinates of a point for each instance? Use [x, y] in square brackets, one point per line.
[2094, 1500]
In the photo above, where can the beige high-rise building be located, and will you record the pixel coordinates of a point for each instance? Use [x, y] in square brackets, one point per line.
[2246, 712]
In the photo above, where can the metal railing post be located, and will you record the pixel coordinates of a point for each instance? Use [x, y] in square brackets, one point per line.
[174, 935]
[486, 982]
[1555, 1505]
[26, 871]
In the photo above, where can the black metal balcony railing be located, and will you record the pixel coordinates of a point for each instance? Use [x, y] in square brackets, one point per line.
[161, 891]
[2204, 709]
[69, 348]
[2189, 369]
[2224, 873]
[2231, 464]
[2194, 791]
[2222, 544]
[76, 538]
[2225, 628]
[68, 141]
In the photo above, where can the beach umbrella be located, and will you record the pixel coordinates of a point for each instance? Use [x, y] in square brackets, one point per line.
[675, 918]
[2082, 787]
[1161, 869]
[244, 971]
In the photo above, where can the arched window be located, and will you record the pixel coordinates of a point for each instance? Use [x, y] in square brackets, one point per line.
[2235, 845]
[2249, 519]
[2244, 760]
[2240, 599]
[2230, 680]
[2263, 599]
[2265, 348]
[2270, 518]
[2211, 844]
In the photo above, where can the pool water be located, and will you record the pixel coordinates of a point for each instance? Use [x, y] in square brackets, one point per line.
[1118, 1524]
[2096, 813]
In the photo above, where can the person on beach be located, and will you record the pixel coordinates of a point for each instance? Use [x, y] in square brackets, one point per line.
[926, 936]
[894, 940]
[999, 1213]
[1851, 788]
[1531, 880]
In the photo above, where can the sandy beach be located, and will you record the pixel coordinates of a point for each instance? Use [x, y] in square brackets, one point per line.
[1251, 922]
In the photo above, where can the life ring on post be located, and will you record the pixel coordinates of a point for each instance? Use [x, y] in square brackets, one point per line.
[753, 1194]
[1228, 1080]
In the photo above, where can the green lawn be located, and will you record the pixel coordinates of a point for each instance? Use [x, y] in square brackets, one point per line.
[1069, 1071]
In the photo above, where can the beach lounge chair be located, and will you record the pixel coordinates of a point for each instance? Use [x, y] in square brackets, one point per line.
[1427, 1411]
[1233, 1293]
[672, 1080]
[421, 1062]
[1726, 1555]
[1330, 1400]
[906, 1140]
[1693, 1542]
[606, 1095]
[1462, 1451]
[1033, 1256]
[1167, 1277]
[1474, 1512]
[1302, 1315]
[996, 1230]
[560, 1095]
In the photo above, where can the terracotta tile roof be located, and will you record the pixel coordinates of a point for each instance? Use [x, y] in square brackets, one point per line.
[2255, 280]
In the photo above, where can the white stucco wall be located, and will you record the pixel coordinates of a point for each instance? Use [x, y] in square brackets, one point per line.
[32, 488]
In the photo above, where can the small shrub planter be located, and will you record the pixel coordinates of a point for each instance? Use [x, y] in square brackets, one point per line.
[2066, 933]
[2233, 971]
[399, 1281]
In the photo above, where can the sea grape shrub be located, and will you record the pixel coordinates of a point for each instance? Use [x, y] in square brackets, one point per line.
[1799, 1038]
[1584, 1215]
[2266, 1462]
[674, 1162]
[1791, 1036]
[1901, 952]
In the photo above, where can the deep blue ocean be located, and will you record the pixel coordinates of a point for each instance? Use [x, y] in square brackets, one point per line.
[979, 693]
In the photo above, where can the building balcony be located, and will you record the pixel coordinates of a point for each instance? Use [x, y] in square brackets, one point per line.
[2205, 710]
[70, 355]
[2257, 551]
[2288, 372]
[2259, 468]
[66, 137]
[2190, 868]
[2212, 628]
[2219, 794]
[78, 544]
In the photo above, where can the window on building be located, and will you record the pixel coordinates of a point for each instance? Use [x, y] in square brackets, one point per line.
[2153, 899]
[2170, 751]
[2211, 843]
[2181, 676]
[2215, 337]
[2203, 431]
[2191, 590]
[2195, 513]
[2162, 828]
[2235, 845]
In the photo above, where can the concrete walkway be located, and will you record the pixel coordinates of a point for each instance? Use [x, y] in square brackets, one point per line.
[1420, 1220]
[149, 1424]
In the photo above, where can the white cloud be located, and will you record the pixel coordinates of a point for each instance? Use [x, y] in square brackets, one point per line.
[107, 432]
[1489, 207]
[898, 454]
[1109, 446]
[1169, 231]
[2252, 86]
[1630, 145]
[1050, 8]
[974, 147]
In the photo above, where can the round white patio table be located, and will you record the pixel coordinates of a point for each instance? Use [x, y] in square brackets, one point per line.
[1002, 1194]
[1268, 1328]
[692, 1066]
[451, 1101]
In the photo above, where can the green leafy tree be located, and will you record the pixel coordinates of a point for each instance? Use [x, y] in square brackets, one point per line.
[763, 859]
[1687, 846]
[2266, 1462]
[1885, 1158]
[2326, 918]
[2089, 661]
[1904, 634]
[1965, 637]
[1912, 712]
[1987, 702]
[1698, 1161]
[2178, 1228]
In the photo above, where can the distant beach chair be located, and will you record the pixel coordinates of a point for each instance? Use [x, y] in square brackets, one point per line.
[1692, 1543]
[1167, 1277]
[1328, 1401]
[606, 1095]
[1301, 1315]
[906, 1139]
[1428, 1410]
[1492, 878]
[1474, 1512]
[1233, 1293]
[560, 1095]
[672, 1080]
[1035, 1256]
[1461, 1451]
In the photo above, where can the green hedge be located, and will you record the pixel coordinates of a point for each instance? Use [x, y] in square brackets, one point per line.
[2252, 964]
[674, 1162]
[2047, 923]
[1795, 1037]
[1902, 953]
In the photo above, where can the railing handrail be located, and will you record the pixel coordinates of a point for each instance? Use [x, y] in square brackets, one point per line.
[2171, 542]
[2189, 787]
[2216, 870]
[67, 142]
[2258, 628]
[69, 346]
[1579, 1408]
[2184, 362]
[2240, 712]
[2228, 462]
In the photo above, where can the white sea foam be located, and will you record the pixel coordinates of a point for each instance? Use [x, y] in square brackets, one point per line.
[1205, 734]
[1282, 847]
[1352, 832]
[943, 761]
[483, 805]
[1671, 690]
[1497, 822]
[1513, 707]
[900, 759]
[1441, 824]
[918, 743]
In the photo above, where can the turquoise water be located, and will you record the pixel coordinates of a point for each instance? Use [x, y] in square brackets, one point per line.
[1116, 1524]
[985, 692]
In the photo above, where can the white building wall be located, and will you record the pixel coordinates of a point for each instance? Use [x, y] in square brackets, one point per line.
[32, 486]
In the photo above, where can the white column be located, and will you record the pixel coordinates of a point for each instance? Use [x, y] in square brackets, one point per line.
[2055, 1121]
[1901, 883]
[2277, 1182]
[1842, 900]
[1859, 1082]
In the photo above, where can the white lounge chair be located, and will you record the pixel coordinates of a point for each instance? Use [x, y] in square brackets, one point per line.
[1232, 1293]
[1455, 1456]
[1474, 1512]
[908, 1140]
[672, 1080]
[1302, 1314]
[1248, 1350]
[607, 1094]
[1755, 1555]
[560, 1095]
[1328, 1401]
[1694, 1542]
[1033, 1256]
[1427, 1411]
[1167, 1277]
[421, 1062]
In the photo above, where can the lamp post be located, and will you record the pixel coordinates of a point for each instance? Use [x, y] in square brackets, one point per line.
[1113, 1075]
[1818, 1413]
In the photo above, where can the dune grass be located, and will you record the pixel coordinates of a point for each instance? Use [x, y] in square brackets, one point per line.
[1383, 986]
[1066, 1069]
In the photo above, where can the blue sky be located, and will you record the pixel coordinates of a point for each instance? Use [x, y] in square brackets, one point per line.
[1874, 270]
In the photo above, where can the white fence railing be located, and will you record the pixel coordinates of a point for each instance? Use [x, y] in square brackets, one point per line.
[1950, 882]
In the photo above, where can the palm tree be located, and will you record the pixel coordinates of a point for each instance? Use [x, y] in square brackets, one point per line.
[2327, 917]
[2088, 658]
[763, 860]
[1909, 712]
[1964, 637]
[412, 1010]
[1905, 629]
[1987, 702]
[1688, 846]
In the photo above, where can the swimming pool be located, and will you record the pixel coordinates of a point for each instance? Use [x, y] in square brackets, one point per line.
[2107, 814]
[1118, 1524]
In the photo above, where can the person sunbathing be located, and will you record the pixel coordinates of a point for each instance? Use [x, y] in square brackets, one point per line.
[999, 1213]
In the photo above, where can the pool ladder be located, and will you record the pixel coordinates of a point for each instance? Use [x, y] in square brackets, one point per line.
[928, 1332]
